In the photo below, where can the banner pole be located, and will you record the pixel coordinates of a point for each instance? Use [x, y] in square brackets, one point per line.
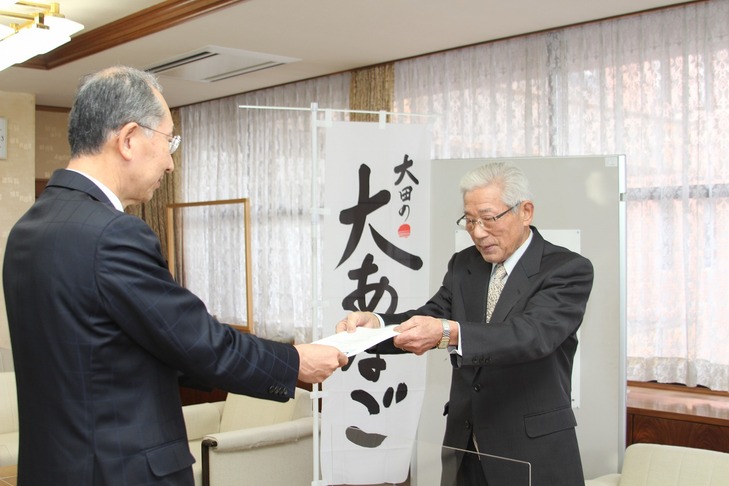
[317, 395]
[314, 288]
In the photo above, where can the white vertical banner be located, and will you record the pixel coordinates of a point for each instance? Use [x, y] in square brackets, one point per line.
[375, 246]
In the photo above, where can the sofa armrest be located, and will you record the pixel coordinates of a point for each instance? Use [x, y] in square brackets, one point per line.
[9, 448]
[657, 464]
[606, 480]
[255, 437]
[271, 454]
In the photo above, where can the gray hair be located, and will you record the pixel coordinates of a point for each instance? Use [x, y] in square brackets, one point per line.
[514, 184]
[108, 100]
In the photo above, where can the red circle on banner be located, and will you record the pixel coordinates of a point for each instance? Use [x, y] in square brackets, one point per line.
[403, 231]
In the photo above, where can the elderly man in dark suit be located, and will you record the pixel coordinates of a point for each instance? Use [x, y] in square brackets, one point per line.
[99, 329]
[508, 311]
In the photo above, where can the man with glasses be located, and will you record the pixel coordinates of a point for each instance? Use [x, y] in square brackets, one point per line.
[100, 331]
[508, 312]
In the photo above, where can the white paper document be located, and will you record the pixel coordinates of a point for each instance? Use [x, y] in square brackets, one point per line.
[351, 343]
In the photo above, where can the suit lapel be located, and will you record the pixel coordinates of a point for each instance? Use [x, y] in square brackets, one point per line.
[474, 288]
[518, 280]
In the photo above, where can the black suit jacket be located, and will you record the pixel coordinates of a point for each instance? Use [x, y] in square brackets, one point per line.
[512, 386]
[99, 332]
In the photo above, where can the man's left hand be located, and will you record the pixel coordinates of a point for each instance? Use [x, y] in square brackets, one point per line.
[419, 334]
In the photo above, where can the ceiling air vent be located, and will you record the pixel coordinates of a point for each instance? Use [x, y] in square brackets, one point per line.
[213, 63]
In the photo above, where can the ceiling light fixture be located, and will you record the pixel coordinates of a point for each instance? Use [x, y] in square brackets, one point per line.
[39, 32]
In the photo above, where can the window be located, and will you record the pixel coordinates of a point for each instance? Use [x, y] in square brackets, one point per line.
[654, 87]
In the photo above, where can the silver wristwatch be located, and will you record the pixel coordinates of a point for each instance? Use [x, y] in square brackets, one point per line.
[446, 337]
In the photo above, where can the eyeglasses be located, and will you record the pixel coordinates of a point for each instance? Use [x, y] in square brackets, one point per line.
[486, 223]
[173, 140]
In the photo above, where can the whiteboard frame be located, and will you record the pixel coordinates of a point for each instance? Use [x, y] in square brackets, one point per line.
[585, 193]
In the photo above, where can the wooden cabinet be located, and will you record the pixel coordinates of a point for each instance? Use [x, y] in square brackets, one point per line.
[675, 417]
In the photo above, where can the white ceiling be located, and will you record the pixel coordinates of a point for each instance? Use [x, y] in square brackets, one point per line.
[328, 36]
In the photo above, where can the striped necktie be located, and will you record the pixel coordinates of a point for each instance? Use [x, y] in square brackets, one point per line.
[495, 286]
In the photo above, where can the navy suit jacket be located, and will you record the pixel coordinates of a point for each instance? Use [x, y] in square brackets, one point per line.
[100, 332]
[512, 386]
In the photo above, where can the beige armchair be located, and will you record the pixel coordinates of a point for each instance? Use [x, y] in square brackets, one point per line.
[662, 465]
[249, 441]
[8, 419]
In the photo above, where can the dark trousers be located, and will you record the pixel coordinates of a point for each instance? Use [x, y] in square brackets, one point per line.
[470, 472]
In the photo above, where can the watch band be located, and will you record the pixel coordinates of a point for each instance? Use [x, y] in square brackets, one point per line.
[446, 337]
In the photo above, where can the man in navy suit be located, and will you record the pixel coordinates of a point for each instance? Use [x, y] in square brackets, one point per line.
[510, 391]
[99, 329]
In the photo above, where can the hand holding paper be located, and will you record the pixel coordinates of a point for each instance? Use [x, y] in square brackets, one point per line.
[356, 319]
[317, 363]
[351, 343]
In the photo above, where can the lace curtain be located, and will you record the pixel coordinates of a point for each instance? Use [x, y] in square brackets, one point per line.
[265, 156]
[654, 87]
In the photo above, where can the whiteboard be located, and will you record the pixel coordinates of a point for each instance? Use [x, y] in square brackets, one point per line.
[585, 194]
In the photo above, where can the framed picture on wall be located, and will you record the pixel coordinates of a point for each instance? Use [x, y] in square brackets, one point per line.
[209, 254]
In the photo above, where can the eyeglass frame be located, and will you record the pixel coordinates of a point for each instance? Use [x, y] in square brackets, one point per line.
[173, 140]
[481, 222]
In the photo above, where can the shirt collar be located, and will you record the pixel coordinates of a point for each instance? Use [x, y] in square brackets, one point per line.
[107, 192]
[511, 262]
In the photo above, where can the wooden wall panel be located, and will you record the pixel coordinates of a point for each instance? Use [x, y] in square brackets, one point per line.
[675, 416]
[659, 430]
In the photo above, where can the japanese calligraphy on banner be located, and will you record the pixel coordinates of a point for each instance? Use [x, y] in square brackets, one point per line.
[375, 247]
